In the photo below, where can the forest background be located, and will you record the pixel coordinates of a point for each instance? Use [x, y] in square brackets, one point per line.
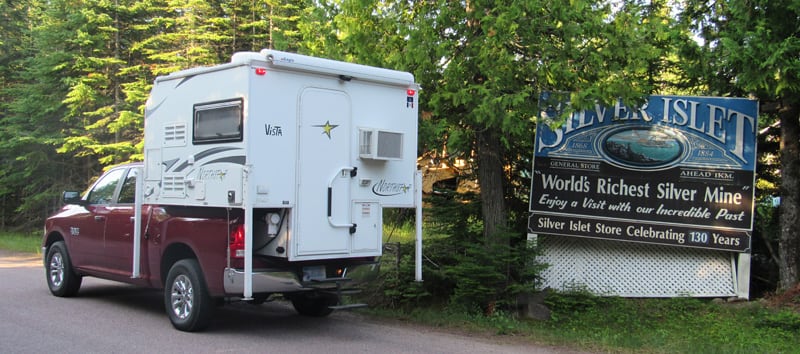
[75, 75]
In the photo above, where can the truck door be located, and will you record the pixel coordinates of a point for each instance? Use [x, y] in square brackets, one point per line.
[324, 174]
[119, 227]
[86, 235]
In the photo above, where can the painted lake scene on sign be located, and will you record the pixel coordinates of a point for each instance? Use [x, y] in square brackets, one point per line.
[643, 146]
[678, 170]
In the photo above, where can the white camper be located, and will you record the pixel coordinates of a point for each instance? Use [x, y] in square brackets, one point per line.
[311, 149]
[266, 175]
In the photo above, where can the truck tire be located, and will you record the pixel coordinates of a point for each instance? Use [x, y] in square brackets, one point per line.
[61, 278]
[314, 305]
[186, 298]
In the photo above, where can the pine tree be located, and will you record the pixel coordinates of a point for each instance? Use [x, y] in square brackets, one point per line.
[255, 25]
[14, 34]
[751, 48]
[101, 128]
[34, 174]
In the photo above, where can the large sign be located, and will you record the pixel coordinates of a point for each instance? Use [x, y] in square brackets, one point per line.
[677, 171]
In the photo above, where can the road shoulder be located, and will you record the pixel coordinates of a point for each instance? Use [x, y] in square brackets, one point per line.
[9, 259]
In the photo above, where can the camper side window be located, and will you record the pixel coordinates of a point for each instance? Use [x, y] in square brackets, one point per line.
[217, 122]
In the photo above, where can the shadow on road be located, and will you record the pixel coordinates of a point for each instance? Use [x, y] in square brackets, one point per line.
[273, 318]
[120, 294]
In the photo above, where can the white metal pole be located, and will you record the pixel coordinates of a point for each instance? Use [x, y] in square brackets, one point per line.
[418, 205]
[248, 252]
[248, 233]
[743, 276]
[138, 200]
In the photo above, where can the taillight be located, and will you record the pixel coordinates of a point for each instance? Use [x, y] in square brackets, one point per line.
[237, 241]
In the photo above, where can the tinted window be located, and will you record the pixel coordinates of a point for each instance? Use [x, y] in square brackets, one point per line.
[218, 122]
[127, 195]
[103, 190]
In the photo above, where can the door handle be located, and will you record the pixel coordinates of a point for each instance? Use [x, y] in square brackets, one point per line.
[99, 218]
[344, 171]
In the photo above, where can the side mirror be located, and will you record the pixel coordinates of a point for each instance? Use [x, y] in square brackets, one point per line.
[70, 197]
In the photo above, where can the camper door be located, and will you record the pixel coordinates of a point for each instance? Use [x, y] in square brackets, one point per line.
[329, 222]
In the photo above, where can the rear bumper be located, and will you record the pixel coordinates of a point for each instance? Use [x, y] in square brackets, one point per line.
[283, 281]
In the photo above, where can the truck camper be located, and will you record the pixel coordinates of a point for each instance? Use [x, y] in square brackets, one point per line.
[266, 175]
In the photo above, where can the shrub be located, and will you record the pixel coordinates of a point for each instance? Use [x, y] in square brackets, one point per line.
[460, 268]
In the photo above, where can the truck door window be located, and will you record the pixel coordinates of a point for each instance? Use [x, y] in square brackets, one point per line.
[127, 193]
[103, 191]
[216, 122]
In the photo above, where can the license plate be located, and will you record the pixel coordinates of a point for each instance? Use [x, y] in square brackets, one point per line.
[313, 273]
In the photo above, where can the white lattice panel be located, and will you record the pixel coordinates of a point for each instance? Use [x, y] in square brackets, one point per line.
[630, 269]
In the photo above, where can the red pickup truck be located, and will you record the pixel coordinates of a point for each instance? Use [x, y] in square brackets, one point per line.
[193, 253]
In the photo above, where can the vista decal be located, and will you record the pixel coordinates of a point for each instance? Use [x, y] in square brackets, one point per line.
[388, 189]
[273, 130]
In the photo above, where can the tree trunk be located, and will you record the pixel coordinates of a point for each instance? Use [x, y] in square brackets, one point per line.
[789, 239]
[490, 180]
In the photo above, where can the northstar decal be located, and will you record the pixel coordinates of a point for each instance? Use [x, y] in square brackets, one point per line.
[326, 128]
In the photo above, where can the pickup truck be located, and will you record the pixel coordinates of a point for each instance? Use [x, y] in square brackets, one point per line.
[195, 254]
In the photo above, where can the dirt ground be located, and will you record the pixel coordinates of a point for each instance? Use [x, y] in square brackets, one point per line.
[789, 298]
[10, 259]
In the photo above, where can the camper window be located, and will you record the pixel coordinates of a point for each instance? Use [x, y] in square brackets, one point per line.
[216, 122]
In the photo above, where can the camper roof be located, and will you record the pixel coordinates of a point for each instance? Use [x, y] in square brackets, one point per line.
[296, 62]
[345, 71]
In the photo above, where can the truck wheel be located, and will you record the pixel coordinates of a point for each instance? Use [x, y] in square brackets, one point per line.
[186, 297]
[61, 278]
[314, 305]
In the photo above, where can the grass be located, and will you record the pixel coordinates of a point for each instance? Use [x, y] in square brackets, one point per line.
[584, 322]
[616, 325]
[29, 242]
[678, 325]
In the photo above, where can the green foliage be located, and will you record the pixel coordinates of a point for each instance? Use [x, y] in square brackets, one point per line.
[74, 78]
[767, 225]
[751, 48]
[686, 325]
[489, 276]
[396, 286]
[752, 44]
[785, 320]
[461, 269]
[21, 242]
[574, 300]
[585, 322]
[504, 323]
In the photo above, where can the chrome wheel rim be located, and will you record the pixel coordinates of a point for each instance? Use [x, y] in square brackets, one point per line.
[182, 295]
[57, 270]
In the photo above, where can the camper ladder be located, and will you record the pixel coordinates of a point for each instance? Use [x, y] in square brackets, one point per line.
[340, 291]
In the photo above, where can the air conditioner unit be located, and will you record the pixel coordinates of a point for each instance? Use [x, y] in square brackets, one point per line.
[375, 144]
